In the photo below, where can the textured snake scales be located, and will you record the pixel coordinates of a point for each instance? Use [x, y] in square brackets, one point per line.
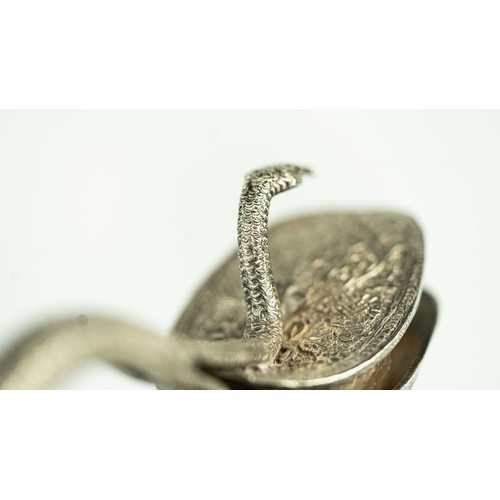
[264, 317]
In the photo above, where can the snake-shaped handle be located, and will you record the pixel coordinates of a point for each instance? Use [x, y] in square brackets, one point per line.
[264, 317]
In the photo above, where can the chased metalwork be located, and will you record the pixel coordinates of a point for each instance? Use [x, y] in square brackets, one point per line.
[349, 285]
[264, 318]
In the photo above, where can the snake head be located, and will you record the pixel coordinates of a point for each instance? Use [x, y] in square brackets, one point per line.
[282, 177]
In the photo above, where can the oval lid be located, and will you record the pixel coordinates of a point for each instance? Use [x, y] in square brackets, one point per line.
[349, 284]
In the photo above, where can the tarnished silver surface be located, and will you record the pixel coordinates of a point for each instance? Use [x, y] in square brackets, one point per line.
[349, 285]
[264, 318]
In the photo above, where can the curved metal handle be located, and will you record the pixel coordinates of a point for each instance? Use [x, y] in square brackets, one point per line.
[264, 316]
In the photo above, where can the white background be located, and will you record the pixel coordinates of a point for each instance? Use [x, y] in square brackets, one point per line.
[127, 212]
